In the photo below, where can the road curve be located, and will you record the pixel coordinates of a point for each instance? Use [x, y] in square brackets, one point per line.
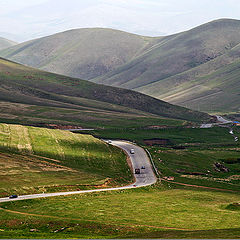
[138, 159]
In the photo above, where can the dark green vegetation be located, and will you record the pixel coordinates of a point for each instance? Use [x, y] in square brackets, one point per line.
[31, 96]
[176, 135]
[233, 207]
[36, 160]
[197, 69]
[189, 154]
[153, 212]
[5, 43]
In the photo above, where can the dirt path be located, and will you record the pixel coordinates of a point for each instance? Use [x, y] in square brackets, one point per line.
[77, 219]
[197, 186]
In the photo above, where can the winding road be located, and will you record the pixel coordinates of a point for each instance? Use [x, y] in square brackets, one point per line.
[138, 159]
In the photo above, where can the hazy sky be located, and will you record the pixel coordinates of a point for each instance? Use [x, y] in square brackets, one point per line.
[26, 19]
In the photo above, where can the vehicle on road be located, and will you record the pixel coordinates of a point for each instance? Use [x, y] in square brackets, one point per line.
[132, 151]
[13, 196]
[143, 167]
[137, 171]
[109, 141]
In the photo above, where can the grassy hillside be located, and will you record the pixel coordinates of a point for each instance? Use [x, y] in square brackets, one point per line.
[5, 43]
[82, 53]
[169, 68]
[216, 91]
[31, 96]
[36, 160]
[175, 54]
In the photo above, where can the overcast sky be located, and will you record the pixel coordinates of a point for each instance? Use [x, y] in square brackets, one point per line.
[27, 19]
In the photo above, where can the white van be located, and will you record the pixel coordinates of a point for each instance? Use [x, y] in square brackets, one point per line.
[132, 151]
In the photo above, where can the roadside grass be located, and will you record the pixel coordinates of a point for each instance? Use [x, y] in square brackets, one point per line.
[177, 135]
[42, 160]
[189, 153]
[151, 212]
[196, 166]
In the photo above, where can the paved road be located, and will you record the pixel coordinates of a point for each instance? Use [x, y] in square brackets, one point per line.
[138, 159]
[223, 120]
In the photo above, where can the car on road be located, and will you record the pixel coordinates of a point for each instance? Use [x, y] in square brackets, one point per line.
[137, 171]
[109, 141]
[132, 151]
[143, 167]
[13, 196]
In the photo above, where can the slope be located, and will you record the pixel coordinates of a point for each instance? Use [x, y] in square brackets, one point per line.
[43, 96]
[36, 160]
[176, 54]
[215, 82]
[215, 92]
[5, 43]
[82, 53]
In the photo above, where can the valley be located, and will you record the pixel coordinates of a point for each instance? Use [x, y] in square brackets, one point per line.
[106, 134]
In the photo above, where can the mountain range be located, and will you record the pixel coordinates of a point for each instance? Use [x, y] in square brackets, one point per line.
[197, 69]
[5, 43]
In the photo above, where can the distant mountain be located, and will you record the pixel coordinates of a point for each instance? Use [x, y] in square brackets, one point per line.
[210, 87]
[167, 68]
[83, 53]
[176, 54]
[178, 69]
[5, 43]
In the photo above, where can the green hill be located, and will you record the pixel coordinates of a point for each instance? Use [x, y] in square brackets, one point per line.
[82, 53]
[179, 69]
[36, 160]
[5, 43]
[168, 68]
[217, 91]
[176, 54]
[31, 96]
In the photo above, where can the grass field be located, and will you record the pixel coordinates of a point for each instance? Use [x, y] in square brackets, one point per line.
[177, 135]
[165, 210]
[190, 153]
[44, 160]
[160, 212]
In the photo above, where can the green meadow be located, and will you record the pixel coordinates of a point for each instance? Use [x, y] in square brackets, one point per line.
[162, 211]
[45, 160]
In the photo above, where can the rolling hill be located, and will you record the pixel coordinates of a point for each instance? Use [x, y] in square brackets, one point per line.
[5, 43]
[29, 95]
[217, 91]
[36, 160]
[175, 54]
[82, 53]
[196, 69]
[171, 68]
